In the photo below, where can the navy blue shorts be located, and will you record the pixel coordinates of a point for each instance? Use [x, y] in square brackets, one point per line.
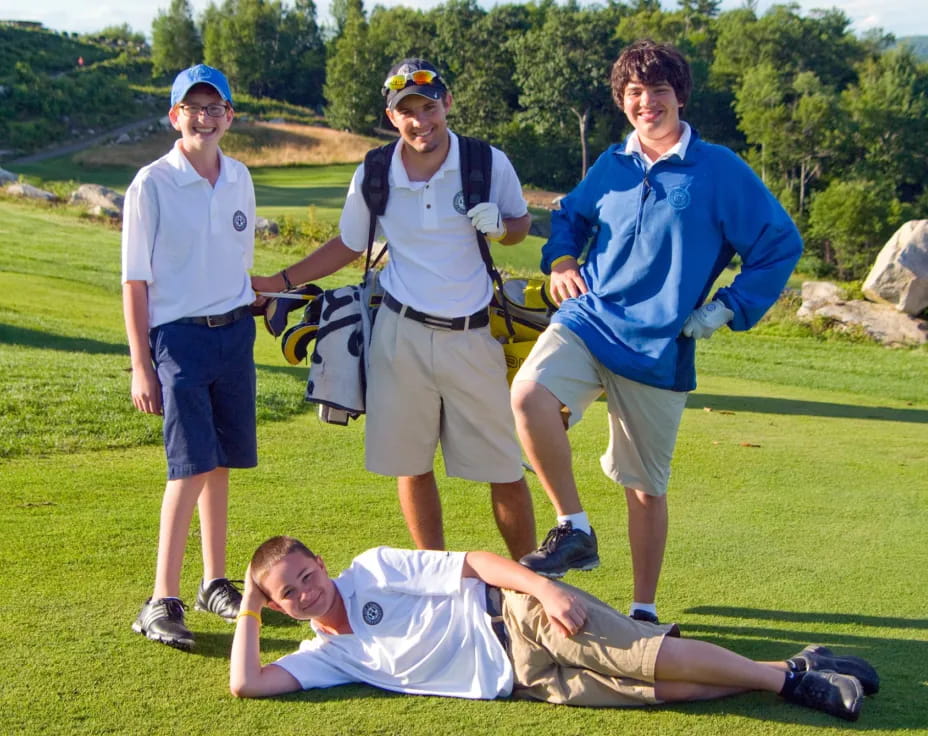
[207, 377]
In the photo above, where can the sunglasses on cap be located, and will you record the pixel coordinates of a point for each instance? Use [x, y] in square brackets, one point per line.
[396, 82]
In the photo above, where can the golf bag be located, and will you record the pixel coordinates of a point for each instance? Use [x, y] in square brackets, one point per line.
[529, 307]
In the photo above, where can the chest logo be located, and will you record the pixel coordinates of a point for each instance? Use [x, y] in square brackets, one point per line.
[372, 613]
[459, 206]
[239, 221]
[679, 198]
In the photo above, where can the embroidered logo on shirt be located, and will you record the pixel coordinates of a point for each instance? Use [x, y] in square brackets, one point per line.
[239, 221]
[679, 198]
[459, 203]
[372, 613]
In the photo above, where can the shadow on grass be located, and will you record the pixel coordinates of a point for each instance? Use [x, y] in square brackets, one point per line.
[900, 662]
[11, 335]
[766, 405]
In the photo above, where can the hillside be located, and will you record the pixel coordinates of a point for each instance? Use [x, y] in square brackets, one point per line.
[919, 45]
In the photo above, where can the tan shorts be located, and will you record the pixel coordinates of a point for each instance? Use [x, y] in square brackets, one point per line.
[643, 420]
[429, 385]
[609, 663]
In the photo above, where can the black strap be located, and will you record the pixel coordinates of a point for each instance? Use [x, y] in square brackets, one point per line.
[375, 188]
[476, 175]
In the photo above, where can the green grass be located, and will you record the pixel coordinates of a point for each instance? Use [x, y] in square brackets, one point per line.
[798, 514]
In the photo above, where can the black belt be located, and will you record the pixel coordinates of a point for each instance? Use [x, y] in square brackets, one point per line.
[216, 320]
[495, 611]
[471, 322]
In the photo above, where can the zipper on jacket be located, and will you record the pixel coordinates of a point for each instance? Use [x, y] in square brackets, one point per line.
[645, 193]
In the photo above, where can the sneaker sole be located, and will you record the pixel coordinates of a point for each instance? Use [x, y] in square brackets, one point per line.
[558, 574]
[181, 644]
[204, 609]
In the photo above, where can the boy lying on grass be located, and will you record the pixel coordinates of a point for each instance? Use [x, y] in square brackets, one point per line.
[476, 625]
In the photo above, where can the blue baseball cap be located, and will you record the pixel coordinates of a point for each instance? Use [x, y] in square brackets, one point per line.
[200, 74]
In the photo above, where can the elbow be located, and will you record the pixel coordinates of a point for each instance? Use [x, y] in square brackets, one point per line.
[241, 690]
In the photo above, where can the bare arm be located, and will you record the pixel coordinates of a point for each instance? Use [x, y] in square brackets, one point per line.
[564, 610]
[146, 391]
[247, 678]
[516, 229]
[323, 261]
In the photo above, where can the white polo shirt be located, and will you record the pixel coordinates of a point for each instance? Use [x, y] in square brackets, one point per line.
[418, 627]
[192, 243]
[434, 264]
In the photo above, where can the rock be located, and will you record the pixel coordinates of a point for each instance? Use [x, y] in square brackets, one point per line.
[899, 276]
[816, 294]
[881, 322]
[266, 228]
[106, 212]
[99, 196]
[21, 189]
[123, 139]
[7, 176]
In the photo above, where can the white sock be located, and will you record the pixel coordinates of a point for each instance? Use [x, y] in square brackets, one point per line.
[636, 606]
[578, 521]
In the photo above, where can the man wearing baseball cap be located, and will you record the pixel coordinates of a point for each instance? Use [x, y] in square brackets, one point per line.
[437, 375]
[187, 247]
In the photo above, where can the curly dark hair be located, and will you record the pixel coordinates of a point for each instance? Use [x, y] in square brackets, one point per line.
[651, 63]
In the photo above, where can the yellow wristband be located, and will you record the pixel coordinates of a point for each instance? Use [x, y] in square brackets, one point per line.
[559, 259]
[499, 237]
[256, 616]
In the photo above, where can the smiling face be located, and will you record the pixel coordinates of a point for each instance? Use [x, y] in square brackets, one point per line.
[422, 122]
[654, 111]
[201, 131]
[299, 586]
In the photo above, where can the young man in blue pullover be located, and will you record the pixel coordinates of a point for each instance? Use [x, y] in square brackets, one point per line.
[666, 212]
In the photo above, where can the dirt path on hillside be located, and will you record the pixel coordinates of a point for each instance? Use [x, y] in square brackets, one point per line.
[75, 146]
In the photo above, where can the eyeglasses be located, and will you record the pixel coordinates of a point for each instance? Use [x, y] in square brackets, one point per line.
[399, 81]
[214, 111]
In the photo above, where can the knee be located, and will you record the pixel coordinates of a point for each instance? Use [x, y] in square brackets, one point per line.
[529, 397]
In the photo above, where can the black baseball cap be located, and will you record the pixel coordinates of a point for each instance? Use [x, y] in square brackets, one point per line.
[401, 82]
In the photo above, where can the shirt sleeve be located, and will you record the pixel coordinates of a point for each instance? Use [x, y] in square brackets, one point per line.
[766, 238]
[139, 227]
[505, 188]
[355, 220]
[312, 667]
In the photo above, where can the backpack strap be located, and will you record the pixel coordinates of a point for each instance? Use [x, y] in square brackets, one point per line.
[375, 188]
[476, 176]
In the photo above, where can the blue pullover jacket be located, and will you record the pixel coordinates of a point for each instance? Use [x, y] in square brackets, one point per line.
[660, 239]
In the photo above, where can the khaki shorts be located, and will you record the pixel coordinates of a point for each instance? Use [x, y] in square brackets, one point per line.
[429, 385]
[643, 420]
[610, 663]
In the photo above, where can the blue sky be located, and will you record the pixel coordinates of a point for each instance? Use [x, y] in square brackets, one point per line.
[901, 17]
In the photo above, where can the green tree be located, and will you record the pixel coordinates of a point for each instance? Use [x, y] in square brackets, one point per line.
[353, 79]
[562, 68]
[850, 221]
[175, 40]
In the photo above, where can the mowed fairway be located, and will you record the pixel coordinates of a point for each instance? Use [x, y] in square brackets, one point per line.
[798, 514]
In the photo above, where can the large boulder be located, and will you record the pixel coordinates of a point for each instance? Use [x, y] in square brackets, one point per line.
[95, 195]
[266, 228]
[881, 322]
[7, 176]
[27, 191]
[899, 276]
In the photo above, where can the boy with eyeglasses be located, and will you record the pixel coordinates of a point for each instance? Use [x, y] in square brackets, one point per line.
[667, 212]
[187, 247]
[437, 375]
[476, 625]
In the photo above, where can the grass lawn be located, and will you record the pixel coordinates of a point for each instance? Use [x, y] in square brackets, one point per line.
[798, 514]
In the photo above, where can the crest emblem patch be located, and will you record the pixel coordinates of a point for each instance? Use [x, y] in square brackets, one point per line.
[679, 198]
[459, 203]
[239, 221]
[372, 613]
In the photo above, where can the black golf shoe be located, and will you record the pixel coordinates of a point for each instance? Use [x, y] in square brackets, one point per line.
[821, 658]
[565, 548]
[221, 598]
[830, 692]
[641, 615]
[162, 619]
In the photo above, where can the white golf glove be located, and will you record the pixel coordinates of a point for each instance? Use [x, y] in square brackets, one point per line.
[707, 319]
[487, 219]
